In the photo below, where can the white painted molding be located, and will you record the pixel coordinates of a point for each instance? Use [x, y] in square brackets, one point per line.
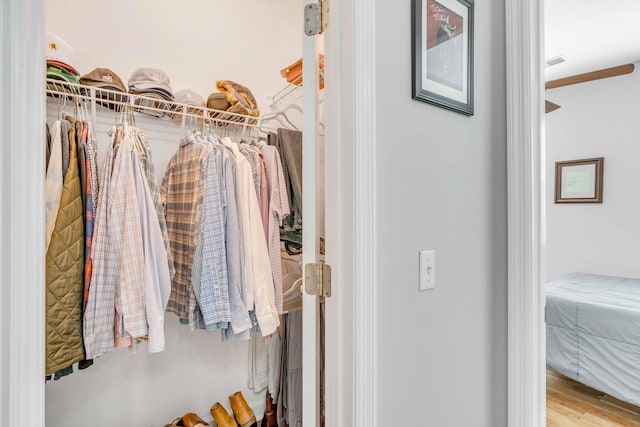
[339, 217]
[365, 218]
[526, 329]
[22, 121]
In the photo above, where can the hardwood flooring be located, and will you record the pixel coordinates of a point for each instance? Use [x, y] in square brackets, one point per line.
[571, 404]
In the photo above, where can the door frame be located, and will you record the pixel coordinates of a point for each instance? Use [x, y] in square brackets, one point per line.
[22, 128]
[351, 224]
[525, 174]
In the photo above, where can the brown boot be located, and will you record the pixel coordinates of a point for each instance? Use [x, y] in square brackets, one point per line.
[243, 413]
[269, 419]
[192, 420]
[221, 416]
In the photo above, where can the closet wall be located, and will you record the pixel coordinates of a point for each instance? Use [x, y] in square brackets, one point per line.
[597, 119]
[195, 43]
[442, 185]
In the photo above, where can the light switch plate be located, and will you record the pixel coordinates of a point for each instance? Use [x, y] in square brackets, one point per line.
[427, 270]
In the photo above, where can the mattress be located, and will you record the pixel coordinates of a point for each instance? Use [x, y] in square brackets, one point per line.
[593, 332]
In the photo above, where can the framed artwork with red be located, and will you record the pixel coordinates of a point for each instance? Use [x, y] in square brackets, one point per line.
[443, 53]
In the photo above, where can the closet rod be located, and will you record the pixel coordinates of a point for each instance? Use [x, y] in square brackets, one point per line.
[99, 95]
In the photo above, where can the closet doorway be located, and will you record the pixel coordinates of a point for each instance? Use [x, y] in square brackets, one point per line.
[312, 353]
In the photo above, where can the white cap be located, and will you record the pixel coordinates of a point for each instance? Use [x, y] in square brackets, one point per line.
[58, 49]
[189, 97]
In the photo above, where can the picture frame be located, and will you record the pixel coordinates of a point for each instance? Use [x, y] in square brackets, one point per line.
[579, 181]
[442, 46]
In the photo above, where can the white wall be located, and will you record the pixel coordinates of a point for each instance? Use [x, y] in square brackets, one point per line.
[195, 42]
[442, 186]
[597, 119]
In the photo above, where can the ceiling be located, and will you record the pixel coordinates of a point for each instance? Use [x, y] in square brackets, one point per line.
[591, 34]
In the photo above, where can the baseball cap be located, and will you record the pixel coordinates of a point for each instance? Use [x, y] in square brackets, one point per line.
[63, 66]
[189, 97]
[103, 78]
[58, 50]
[145, 80]
[56, 73]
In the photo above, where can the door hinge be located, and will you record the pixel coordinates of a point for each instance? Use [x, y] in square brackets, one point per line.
[318, 279]
[316, 17]
[545, 314]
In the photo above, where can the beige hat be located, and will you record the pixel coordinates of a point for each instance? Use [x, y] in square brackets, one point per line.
[218, 101]
[58, 49]
[189, 97]
[239, 94]
[103, 78]
[144, 80]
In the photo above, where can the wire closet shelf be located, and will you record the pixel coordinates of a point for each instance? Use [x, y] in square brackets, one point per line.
[148, 105]
[292, 92]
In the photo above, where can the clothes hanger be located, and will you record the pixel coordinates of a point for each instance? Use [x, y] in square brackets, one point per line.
[280, 115]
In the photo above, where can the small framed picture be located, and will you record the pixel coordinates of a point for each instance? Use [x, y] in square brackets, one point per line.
[579, 181]
[442, 39]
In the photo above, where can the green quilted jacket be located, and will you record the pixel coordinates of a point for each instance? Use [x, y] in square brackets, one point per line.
[64, 273]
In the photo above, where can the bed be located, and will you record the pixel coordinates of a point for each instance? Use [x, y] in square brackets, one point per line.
[593, 332]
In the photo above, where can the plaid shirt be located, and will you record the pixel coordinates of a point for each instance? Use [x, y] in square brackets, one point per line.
[100, 308]
[214, 284]
[116, 291]
[127, 243]
[181, 194]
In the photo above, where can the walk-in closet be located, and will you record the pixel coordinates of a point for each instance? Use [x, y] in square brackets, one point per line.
[174, 181]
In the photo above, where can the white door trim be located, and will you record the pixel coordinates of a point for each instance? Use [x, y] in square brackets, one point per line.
[22, 113]
[365, 216]
[526, 328]
[350, 164]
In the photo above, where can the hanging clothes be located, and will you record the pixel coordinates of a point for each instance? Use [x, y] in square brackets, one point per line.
[182, 193]
[65, 264]
[257, 266]
[240, 322]
[54, 182]
[130, 284]
[289, 144]
[278, 210]
[146, 159]
[213, 295]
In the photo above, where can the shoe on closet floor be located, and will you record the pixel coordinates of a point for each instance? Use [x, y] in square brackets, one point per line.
[193, 420]
[176, 422]
[269, 419]
[221, 416]
[243, 413]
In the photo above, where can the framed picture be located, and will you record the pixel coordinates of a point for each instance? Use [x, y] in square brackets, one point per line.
[442, 38]
[579, 181]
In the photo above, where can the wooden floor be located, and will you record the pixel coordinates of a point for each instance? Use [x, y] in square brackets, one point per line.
[570, 404]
